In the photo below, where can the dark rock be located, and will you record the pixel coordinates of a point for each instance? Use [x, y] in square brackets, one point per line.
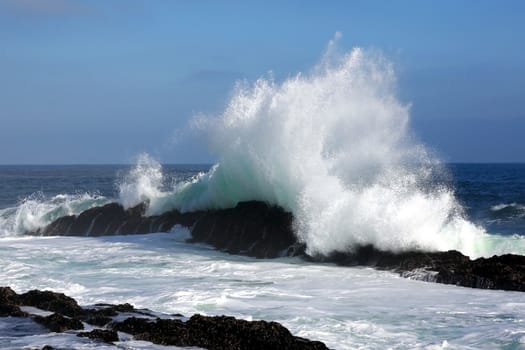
[112, 219]
[97, 320]
[59, 323]
[9, 303]
[51, 301]
[48, 347]
[8, 296]
[505, 272]
[219, 332]
[11, 310]
[101, 316]
[105, 335]
[251, 228]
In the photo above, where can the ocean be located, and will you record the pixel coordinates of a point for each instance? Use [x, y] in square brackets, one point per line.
[345, 307]
[333, 146]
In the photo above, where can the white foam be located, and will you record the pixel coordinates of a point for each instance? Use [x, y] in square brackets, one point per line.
[37, 211]
[334, 147]
[347, 308]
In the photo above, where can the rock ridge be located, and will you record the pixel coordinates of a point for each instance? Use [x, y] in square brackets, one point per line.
[260, 230]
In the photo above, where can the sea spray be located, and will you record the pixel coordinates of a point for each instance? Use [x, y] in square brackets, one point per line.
[334, 147]
[38, 210]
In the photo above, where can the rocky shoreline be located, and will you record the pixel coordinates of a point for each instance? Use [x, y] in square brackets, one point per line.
[256, 229]
[107, 323]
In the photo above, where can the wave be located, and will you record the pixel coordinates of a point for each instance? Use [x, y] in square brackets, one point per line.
[509, 209]
[38, 211]
[334, 147]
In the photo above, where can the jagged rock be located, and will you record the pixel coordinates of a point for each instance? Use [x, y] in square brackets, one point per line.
[51, 301]
[112, 219]
[251, 228]
[11, 310]
[101, 316]
[9, 303]
[217, 333]
[59, 323]
[105, 335]
[498, 272]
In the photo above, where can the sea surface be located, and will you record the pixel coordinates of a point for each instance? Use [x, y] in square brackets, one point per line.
[346, 308]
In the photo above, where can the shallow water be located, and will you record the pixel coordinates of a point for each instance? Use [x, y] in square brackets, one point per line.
[347, 308]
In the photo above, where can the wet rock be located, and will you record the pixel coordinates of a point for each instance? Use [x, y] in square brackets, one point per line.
[219, 332]
[9, 303]
[8, 296]
[11, 310]
[113, 219]
[251, 228]
[51, 301]
[59, 323]
[105, 335]
[103, 313]
[505, 272]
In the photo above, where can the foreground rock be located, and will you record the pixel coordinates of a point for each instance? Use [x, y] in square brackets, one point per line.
[219, 332]
[259, 230]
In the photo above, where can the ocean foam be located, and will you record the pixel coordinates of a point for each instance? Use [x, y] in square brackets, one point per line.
[37, 211]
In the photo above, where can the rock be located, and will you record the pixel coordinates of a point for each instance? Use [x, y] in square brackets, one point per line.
[219, 332]
[8, 296]
[113, 219]
[11, 310]
[101, 316]
[9, 303]
[505, 272]
[59, 323]
[50, 301]
[251, 228]
[105, 335]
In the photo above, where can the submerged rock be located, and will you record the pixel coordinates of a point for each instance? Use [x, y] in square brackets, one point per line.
[59, 323]
[104, 335]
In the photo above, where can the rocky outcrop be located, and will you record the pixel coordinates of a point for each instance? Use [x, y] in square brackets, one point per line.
[257, 229]
[218, 332]
[505, 272]
[112, 219]
[251, 228]
[208, 332]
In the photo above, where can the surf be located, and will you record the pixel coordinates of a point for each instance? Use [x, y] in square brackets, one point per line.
[334, 147]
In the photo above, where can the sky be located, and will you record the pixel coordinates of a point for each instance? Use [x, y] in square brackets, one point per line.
[100, 81]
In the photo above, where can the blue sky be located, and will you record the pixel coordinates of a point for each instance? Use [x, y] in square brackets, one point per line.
[101, 81]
